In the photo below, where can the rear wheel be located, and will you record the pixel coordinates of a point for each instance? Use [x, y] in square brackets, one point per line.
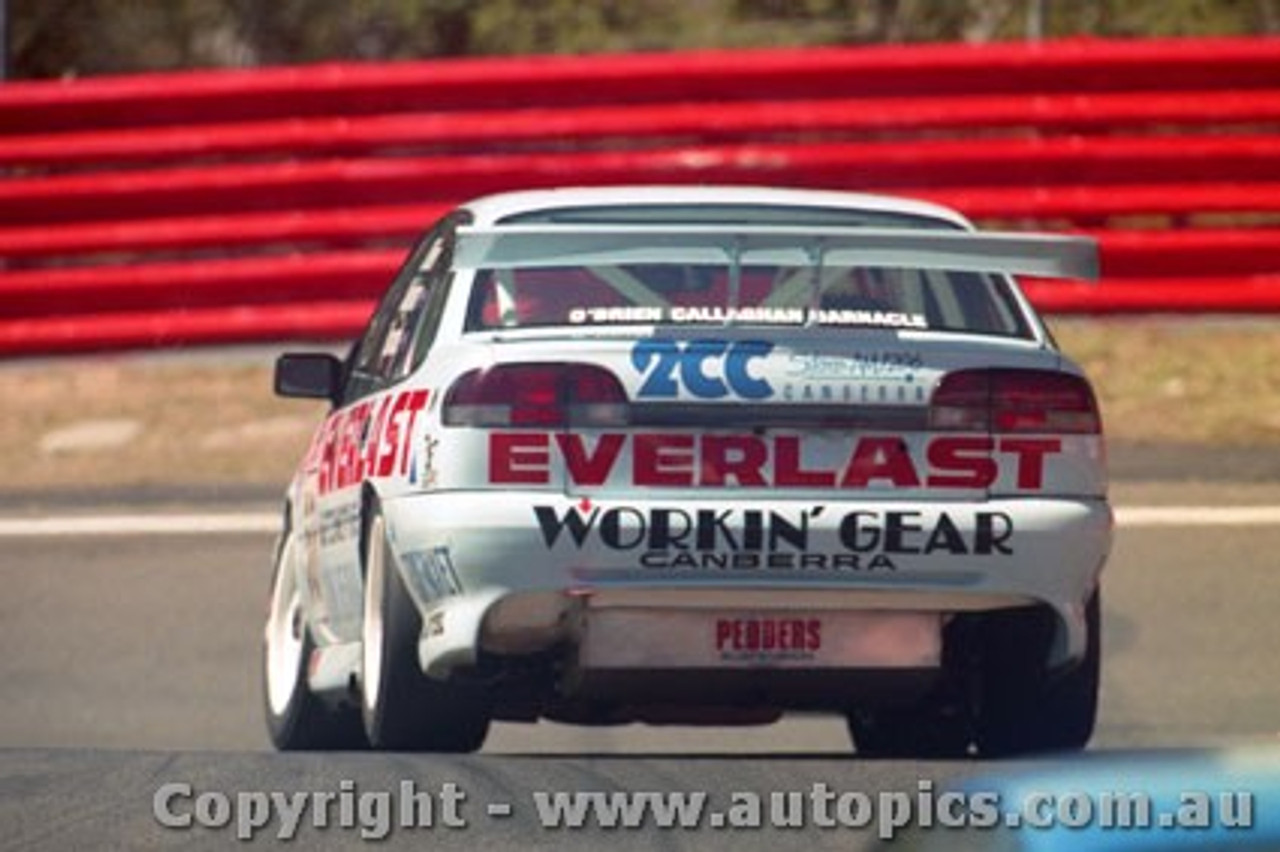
[296, 719]
[403, 709]
[929, 730]
[1024, 708]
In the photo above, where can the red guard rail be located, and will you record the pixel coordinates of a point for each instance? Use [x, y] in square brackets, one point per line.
[228, 206]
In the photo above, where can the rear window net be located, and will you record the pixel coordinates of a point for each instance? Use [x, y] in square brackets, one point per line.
[526, 277]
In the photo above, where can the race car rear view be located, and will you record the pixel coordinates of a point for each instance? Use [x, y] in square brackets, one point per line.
[698, 455]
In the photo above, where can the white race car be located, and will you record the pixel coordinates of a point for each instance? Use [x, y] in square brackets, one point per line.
[697, 455]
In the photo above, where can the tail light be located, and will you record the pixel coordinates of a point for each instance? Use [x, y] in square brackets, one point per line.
[1014, 401]
[536, 395]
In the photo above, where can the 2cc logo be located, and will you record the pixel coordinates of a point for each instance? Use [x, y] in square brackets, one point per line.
[708, 369]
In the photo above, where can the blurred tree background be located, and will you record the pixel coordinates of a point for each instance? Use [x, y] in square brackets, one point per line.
[55, 38]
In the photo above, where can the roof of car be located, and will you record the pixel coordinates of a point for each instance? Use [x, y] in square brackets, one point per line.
[492, 209]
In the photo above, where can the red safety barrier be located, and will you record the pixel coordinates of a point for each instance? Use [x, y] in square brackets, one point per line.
[342, 227]
[1098, 204]
[297, 279]
[1075, 66]
[229, 206]
[346, 227]
[902, 166]
[320, 321]
[660, 124]
[1190, 253]
[1246, 295]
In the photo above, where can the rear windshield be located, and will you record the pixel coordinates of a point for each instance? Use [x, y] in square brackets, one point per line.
[695, 294]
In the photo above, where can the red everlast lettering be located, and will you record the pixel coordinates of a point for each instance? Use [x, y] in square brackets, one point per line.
[417, 401]
[740, 458]
[589, 468]
[1031, 453]
[518, 458]
[787, 472]
[660, 459]
[962, 463]
[880, 459]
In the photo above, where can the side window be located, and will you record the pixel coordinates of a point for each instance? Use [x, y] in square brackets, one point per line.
[439, 282]
[377, 357]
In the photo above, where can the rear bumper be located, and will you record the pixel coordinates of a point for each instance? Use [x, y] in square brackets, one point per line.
[514, 573]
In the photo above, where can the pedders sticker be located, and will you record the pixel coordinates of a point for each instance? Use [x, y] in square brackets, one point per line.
[621, 638]
[767, 638]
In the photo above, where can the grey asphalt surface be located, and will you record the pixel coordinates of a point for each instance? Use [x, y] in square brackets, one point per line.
[132, 662]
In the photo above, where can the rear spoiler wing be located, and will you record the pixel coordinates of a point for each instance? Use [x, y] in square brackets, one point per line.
[543, 245]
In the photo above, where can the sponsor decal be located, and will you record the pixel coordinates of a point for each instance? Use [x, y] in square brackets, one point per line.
[871, 377]
[772, 540]
[333, 526]
[370, 439]
[747, 314]
[616, 315]
[684, 460]
[867, 394]
[881, 319]
[704, 369]
[767, 639]
[433, 569]
[858, 366]
[423, 470]
[306, 527]
[720, 315]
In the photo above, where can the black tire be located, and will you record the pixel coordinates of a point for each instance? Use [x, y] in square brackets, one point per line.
[1022, 707]
[403, 709]
[924, 731]
[296, 719]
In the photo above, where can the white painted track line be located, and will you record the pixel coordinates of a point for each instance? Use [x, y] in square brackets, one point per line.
[141, 524]
[1197, 516]
[239, 523]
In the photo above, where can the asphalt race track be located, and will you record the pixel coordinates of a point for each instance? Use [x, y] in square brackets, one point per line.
[131, 662]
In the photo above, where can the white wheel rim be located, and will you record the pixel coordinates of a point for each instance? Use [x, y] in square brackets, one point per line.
[371, 668]
[284, 635]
